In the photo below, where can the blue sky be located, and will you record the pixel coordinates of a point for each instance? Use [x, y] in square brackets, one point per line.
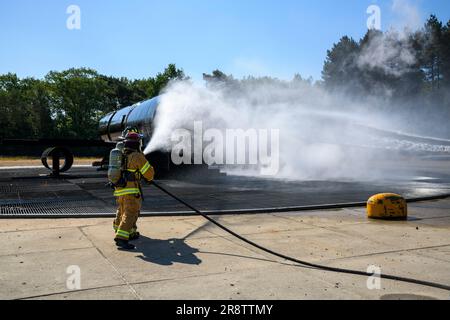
[138, 38]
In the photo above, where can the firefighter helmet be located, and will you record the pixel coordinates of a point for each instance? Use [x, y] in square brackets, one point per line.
[133, 141]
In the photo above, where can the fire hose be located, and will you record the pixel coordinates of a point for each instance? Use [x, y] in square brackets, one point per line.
[302, 262]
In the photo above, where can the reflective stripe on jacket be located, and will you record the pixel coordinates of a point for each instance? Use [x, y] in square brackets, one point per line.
[137, 164]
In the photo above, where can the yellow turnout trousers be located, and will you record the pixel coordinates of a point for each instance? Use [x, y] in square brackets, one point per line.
[129, 207]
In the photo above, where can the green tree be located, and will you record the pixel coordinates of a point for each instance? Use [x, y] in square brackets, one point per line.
[161, 80]
[9, 92]
[217, 76]
[218, 79]
[78, 101]
[445, 54]
[339, 68]
[151, 87]
[24, 108]
[118, 93]
[432, 51]
[37, 97]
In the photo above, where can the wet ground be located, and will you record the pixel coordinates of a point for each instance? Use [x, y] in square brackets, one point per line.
[83, 191]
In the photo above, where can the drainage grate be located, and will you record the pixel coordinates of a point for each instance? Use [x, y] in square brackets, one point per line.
[52, 207]
[45, 187]
[9, 188]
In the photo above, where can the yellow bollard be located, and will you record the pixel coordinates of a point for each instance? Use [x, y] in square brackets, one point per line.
[387, 206]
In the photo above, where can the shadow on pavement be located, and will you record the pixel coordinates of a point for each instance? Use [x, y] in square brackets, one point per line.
[166, 252]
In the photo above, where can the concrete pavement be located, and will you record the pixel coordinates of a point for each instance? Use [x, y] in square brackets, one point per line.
[189, 258]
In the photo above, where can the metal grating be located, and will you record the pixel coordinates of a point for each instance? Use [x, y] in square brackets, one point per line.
[54, 207]
[9, 188]
[15, 188]
[87, 195]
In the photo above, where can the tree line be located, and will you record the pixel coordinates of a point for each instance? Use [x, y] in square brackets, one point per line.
[413, 78]
[428, 69]
[68, 104]
[410, 69]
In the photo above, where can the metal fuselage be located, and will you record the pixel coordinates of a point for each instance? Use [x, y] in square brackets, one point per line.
[139, 115]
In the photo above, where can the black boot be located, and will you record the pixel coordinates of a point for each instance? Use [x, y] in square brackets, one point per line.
[123, 244]
[134, 236]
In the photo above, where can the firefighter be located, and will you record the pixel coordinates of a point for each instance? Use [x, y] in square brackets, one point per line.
[129, 198]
